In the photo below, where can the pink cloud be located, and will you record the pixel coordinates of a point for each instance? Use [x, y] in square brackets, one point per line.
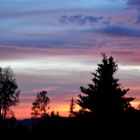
[61, 88]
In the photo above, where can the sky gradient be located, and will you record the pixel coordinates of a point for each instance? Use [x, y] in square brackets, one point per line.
[54, 45]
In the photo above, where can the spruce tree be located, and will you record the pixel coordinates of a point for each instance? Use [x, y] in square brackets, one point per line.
[106, 94]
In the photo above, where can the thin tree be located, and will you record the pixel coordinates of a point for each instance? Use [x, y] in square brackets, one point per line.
[39, 106]
[9, 92]
[105, 95]
[72, 107]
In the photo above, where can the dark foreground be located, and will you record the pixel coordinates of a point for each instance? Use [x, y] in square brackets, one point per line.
[125, 125]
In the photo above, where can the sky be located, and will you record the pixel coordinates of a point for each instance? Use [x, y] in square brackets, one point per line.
[54, 45]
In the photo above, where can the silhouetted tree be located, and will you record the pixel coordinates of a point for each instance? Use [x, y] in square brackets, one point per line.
[105, 95]
[52, 114]
[10, 114]
[9, 93]
[39, 105]
[72, 106]
[57, 113]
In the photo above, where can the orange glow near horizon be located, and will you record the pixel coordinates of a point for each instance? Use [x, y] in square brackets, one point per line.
[135, 104]
[24, 110]
[62, 108]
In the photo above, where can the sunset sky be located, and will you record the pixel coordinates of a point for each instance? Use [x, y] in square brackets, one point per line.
[54, 45]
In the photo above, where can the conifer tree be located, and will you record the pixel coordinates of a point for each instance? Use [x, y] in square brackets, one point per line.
[105, 95]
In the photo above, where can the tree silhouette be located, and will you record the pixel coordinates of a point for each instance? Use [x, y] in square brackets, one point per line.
[72, 106]
[10, 114]
[9, 93]
[105, 95]
[52, 114]
[39, 105]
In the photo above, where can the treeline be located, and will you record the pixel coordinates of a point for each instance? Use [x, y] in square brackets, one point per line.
[103, 104]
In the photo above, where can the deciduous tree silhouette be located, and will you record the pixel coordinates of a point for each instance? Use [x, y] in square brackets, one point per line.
[105, 95]
[39, 105]
[9, 93]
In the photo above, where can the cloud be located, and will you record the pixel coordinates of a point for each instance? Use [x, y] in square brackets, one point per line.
[119, 30]
[11, 52]
[80, 19]
[134, 4]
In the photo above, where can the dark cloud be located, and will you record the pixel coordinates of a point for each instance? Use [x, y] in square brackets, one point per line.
[119, 30]
[80, 19]
[134, 4]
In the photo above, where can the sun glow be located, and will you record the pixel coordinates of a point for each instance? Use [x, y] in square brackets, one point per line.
[23, 110]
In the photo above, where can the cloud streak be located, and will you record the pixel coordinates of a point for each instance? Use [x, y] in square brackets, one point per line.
[119, 31]
[80, 19]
